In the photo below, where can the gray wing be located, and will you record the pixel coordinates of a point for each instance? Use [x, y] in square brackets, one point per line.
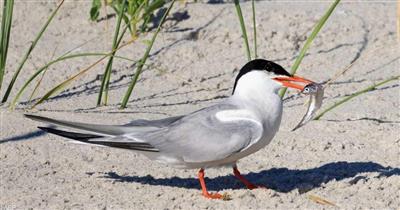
[201, 136]
[113, 130]
[154, 123]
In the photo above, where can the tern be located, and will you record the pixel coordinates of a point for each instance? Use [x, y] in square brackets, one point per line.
[218, 135]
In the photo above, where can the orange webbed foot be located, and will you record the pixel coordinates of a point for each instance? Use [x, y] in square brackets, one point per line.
[212, 195]
[206, 194]
[224, 196]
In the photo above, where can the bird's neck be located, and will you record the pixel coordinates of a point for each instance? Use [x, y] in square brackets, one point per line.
[259, 94]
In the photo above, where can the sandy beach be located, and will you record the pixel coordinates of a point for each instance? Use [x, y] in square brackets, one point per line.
[350, 157]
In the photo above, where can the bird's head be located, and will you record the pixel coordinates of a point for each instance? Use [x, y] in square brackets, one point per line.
[260, 69]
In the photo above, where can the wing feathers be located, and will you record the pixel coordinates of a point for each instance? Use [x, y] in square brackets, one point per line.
[109, 130]
[100, 140]
[71, 135]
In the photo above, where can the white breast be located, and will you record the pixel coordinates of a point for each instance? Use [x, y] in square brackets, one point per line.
[258, 94]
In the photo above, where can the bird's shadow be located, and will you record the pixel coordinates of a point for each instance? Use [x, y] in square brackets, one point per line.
[22, 137]
[278, 179]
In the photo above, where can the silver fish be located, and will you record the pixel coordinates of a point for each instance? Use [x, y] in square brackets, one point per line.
[316, 92]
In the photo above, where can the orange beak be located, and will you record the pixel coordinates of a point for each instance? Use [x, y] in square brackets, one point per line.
[293, 82]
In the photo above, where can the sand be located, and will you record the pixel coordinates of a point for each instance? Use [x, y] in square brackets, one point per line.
[350, 157]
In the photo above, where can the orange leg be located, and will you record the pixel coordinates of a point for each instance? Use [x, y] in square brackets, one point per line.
[204, 188]
[246, 182]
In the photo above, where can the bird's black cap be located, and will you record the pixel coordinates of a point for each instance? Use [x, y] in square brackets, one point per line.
[260, 65]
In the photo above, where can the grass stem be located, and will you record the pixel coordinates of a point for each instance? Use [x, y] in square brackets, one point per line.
[344, 100]
[6, 21]
[30, 49]
[46, 66]
[41, 78]
[144, 58]
[254, 28]
[243, 28]
[107, 73]
[309, 40]
[66, 82]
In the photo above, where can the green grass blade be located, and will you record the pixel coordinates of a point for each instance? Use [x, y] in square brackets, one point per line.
[43, 68]
[150, 8]
[69, 80]
[154, 5]
[107, 73]
[309, 40]
[6, 21]
[40, 70]
[344, 100]
[124, 17]
[144, 58]
[66, 82]
[30, 49]
[40, 79]
[95, 10]
[254, 28]
[37, 84]
[243, 28]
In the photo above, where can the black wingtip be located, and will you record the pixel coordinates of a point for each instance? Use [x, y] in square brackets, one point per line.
[47, 129]
[71, 135]
[82, 137]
